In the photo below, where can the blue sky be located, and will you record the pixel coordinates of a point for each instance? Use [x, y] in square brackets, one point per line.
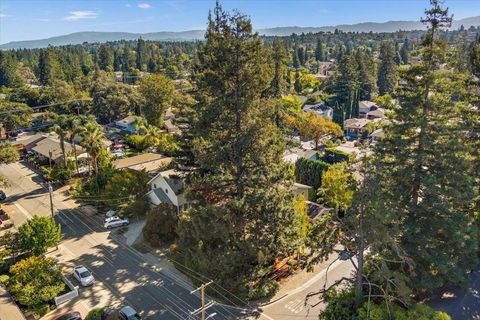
[37, 19]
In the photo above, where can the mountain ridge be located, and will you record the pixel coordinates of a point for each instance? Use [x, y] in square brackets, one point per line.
[190, 35]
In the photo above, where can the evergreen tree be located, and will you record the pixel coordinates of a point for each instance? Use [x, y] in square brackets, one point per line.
[338, 114]
[289, 79]
[277, 86]
[9, 75]
[48, 67]
[387, 70]
[320, 51]
[366, 70]
[397, 58]
[297, 85]
[404, 51]
[242, 216]
[105, 58]
[425, 177]
[346, 86]
[474, 56]
[141, 54]
[301, 56]
[295, 58]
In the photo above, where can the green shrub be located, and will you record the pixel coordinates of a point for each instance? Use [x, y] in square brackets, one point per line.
[168, 144]
[136, 141]
[94, 314]
[4, 278]
[160, 224]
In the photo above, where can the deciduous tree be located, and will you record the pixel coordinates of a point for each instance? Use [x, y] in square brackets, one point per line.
[35, 281]
[38, 234]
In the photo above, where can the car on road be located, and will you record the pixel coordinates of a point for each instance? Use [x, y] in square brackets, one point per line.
[128, 313]
[70, 316]
[83, 275]
[115, 221]
[3, 196]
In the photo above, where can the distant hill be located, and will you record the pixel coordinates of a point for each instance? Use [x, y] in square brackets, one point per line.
[91, 36]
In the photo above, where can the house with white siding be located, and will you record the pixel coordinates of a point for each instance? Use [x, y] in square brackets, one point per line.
[168, 187]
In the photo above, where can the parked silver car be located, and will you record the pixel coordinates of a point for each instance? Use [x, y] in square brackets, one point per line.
[83, 275]
[115, 221]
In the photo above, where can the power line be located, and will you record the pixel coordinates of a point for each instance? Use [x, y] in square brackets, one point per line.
[45, 105]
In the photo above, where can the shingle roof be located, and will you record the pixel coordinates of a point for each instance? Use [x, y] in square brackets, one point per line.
[315, 210]
[141, 159]
[356, 123]
[47, 145]
[162, 196]
[174, 180]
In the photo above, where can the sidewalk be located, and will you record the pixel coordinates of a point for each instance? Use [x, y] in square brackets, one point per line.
[8, 308]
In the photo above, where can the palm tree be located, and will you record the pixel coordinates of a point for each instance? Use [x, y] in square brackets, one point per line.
[60, 122]
[92, 141]
[73, 127]
[152, 135]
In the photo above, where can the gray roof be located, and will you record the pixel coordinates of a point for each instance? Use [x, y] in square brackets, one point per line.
[47, 145]
[315, 210]
[162, 196]
[175, 184]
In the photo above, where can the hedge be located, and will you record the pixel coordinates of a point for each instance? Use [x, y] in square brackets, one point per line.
[333, 155]
[309, 172]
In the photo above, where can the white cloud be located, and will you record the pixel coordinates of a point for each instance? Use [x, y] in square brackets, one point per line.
[77, 15]
[3, 15]
[144, 6]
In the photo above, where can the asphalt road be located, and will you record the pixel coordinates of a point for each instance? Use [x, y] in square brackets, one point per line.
[461, 304]
[296, 305]
[123, 276]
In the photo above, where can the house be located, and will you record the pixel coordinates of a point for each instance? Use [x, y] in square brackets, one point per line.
[127, 124]
[168, 187]
[376, 113]
[376, 135]
[315, 210]
[49, 149]
[355, 126]
[325, 69]
[26, 144]
[171, 128]
[321, 109]
[169, 114]
[302, 190]
[150, 162]
[366, 106]
[293, 154]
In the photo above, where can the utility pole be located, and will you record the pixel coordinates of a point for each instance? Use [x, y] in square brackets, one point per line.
[204, 307]
[50, 191]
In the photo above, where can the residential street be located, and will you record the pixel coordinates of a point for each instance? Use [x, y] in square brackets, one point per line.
[123, 276]
[293, 305]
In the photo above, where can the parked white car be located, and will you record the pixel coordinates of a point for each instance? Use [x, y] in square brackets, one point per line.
[83, 275]
[115, 221]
